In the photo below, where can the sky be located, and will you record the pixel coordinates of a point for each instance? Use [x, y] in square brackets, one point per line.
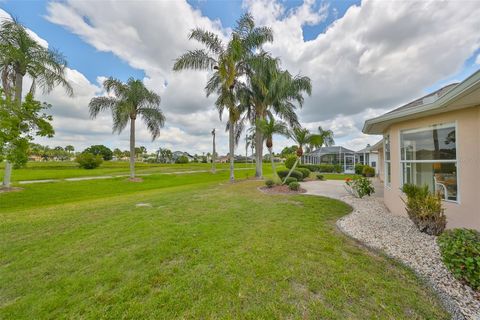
[364, 58]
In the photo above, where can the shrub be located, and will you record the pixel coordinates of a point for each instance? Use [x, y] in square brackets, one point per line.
[294, 186]
[269, 183]
[360, 186]
[320, 177]
[182, 159]
[296, 174]
[290, 180]
[305, 172]
[290, 162]
[425, 209]
[337, 168]
[99, 149]
[359, 168]
[368, 171]
[460, 249]
[89, 161]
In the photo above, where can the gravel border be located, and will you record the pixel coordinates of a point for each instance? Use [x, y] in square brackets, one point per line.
[375, 227]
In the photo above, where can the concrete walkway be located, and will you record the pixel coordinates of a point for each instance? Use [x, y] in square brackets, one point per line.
[336, 188]
[120, 176]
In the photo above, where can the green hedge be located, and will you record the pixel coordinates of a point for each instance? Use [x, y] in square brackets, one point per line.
[295, 174]
[305, 172]
[460, 249]
[324, 167]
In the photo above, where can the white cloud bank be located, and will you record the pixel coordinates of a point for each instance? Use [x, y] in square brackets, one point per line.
[378, 55]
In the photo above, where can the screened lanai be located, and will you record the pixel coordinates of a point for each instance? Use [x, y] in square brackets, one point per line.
[332, 155]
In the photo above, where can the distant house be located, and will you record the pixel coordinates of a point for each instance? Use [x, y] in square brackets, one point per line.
[178, 154]
[332, 155]
[434, 141]
[368, 156]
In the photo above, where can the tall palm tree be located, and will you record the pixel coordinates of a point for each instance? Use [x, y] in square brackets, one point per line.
[130, 100]
[302, 137]
[21, 55]
[271, 91]
[228, 63]
[327, 139]
[269, 128]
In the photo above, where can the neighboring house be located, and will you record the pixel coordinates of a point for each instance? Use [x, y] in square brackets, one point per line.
[368, 156]
[178, 154]
[332, 155]
[434, 141]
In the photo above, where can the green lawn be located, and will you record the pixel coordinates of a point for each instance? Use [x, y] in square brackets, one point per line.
[205, 249]
[68, 169]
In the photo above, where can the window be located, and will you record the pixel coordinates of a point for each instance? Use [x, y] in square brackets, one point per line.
[429, 157]
[386, 156]
[374, 164]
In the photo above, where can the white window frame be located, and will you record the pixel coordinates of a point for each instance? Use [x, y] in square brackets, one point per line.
[456, 161]
[388, 177]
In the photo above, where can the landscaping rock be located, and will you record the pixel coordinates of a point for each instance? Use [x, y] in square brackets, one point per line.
[372, 224]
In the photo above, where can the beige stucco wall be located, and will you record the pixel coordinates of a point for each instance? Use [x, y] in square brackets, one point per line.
[466, 213]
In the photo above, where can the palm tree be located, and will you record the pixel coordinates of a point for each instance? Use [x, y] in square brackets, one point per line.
[130, 100]
[268, 128]
[327, 138]
[20, 55]
[302, 137]
[228, 63]
[271, 91]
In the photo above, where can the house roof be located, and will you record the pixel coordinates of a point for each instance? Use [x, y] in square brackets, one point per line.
[448, 98]
[330, 150]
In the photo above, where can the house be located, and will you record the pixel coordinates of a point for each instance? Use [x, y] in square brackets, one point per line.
[434, 141]
[367, 156]
[178, 154]
[332, 155]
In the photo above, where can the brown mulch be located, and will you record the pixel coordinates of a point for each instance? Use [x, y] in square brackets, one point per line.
[283, 189]
[135, 179]
[11, 189]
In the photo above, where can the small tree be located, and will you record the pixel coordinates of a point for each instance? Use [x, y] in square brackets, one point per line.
[99, 149]
[19, 124]
[268, 129]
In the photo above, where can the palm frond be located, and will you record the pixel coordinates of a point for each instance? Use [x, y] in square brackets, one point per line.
[208, 39]
[195, 59]
[154, 120]
[99, 104]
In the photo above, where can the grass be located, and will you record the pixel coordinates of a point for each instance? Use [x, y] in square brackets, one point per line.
[69, 169]
[204, 249]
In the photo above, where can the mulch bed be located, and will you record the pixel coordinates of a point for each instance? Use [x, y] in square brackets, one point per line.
[283, 189]
[135, 179]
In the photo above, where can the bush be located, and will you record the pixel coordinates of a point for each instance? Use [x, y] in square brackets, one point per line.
[290, 162]
[460, 249]
[359, 168]
[337, 168]
[105, 152]
[320, 177]
[368, 171]
[296, 174]
[294, 186]
[182, 159]
[269, 183]
[425, 209]
[305, 172]
[360, 186]
[290, 180]
[89, 161]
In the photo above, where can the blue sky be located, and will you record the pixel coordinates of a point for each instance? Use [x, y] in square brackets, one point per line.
[364, 58]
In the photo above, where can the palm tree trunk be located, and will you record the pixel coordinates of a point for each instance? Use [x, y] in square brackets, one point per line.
[18, 99]
[132, 147]
[7, 174]
[18, 86]
[231, 137]
[258, 154]
[291, 170]
[273, 163]
[213, 154]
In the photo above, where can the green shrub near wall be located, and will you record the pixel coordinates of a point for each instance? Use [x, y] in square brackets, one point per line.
[368, 171]
[359, 168]
[305, 172]
[295, 174]
[290, 162]
[460, 249]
